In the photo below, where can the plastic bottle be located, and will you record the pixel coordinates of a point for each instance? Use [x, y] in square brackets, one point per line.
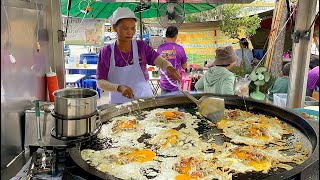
[85, 63]
[71, 61]
[77, 62]
[52, 83]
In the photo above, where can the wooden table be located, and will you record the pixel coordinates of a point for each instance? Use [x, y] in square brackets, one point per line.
[74, 78]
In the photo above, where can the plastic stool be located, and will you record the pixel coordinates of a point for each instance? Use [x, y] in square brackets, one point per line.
[93, 82]
[79, 83]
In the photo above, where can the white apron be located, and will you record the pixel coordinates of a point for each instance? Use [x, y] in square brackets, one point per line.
[130, 75]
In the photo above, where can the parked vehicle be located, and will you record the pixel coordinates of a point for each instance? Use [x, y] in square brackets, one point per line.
[108, 33]
[108, 36]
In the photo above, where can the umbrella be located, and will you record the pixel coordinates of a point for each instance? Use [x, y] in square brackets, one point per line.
[105, 9]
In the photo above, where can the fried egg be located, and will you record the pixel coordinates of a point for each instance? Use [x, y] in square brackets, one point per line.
[242, 159]
[169, 118]
[173, 143]
[256, 134]
[257, 130]
[199, 166]
[123, 131]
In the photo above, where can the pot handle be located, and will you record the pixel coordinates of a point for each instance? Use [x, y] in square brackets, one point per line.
[98, 122]
[71, 105]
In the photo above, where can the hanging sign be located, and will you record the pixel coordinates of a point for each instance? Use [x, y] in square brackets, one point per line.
[84, 31]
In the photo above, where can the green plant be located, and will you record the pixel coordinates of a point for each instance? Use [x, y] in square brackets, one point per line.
[241, 70]
[235, 22]
[233, 18]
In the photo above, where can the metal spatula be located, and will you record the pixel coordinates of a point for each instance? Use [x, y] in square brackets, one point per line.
[40, 141]
[210, 107]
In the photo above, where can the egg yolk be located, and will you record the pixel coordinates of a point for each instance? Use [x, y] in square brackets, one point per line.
[241, 155]
[183, 177]
[222, 123]
[254, 131]
[168, 114]
[172, 138]
[129, 124]
[255, 163]
[141, 155]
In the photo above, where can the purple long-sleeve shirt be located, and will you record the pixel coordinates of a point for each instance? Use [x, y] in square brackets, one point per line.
[146, 54]
[313, 78]
[176, 55]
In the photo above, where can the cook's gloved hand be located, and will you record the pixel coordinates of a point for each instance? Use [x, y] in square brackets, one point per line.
[173, 73]
[126, 91]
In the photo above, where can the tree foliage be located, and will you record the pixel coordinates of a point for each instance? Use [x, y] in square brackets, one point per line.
[208, 15]
[233, 19]
[235, 22]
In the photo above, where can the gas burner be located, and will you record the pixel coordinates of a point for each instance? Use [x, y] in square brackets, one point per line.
[72, 129]
[58, 116]
[77, 138]
[47, 162]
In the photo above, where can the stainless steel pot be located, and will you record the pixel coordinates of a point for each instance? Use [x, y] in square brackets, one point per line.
[76, 127]
[75, 102]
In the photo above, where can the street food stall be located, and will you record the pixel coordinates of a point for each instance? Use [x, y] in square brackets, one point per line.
[156, 138]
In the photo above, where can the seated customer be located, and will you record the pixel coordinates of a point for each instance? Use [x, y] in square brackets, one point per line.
[219, 79]
[280, 85]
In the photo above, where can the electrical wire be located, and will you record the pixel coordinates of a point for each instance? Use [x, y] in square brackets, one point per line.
[269, 47]
[11, 57]
[315, 18]
[38, 27]
[68, 13]
[9, 27]
[80, 22]
[88, 3]
[85, 13]
[37, 34]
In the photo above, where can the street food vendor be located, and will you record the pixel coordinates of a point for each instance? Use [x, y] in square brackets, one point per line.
[122, 65]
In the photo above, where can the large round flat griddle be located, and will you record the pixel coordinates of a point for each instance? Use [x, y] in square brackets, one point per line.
[304, 131]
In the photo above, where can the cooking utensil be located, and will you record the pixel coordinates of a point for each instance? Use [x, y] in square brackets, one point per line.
[210, 107]
[41, 144]
[75, 102]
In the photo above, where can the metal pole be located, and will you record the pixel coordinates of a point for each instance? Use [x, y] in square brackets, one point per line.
[140, 18]
[301, 50]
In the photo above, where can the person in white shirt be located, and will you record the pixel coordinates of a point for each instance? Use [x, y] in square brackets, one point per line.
[248, 55]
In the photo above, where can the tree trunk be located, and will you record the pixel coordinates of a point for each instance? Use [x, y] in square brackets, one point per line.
[276, 63]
